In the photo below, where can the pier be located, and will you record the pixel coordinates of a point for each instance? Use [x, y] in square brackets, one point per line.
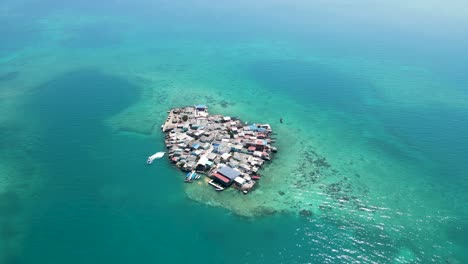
[227, 150]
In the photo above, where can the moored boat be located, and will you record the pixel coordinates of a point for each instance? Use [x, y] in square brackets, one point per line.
[216, 186]
[191, 176]
[157, 155]
[188, 177]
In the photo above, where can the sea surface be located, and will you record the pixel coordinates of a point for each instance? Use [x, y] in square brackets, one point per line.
[373, 151]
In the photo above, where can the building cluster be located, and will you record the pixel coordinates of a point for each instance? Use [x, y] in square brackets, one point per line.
[227, 150]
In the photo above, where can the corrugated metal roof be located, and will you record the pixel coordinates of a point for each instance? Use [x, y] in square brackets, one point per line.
[221, 177]
[229, 172]
[239, 180]
[202, 160]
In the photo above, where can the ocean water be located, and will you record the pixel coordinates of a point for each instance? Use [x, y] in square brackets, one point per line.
[373, 144]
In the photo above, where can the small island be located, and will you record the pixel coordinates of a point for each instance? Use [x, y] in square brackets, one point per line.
[227, 150]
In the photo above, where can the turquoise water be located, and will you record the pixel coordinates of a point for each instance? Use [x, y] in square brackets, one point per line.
[374, 141]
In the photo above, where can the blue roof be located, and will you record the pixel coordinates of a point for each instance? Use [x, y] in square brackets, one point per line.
[229, 172]
[195, 146]
[256, 128]
[200, 106]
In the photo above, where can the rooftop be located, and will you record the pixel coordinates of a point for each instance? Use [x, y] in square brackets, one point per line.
[221, 147]
[229, 172]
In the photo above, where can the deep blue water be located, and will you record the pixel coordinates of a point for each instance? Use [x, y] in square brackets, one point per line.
[312, 83]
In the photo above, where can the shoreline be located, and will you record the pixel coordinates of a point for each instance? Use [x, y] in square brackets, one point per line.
[226, 149]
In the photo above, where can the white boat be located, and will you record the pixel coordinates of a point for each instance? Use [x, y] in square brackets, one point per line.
[155, 156]
[217, 186]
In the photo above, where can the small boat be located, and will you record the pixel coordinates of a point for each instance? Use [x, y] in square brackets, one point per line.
[191, 176]
[188, 177]
[255, 178]
[197, 177]
[155, 156]
[216, 186]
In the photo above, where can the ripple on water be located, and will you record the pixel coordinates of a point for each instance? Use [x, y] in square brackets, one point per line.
[8, 76]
